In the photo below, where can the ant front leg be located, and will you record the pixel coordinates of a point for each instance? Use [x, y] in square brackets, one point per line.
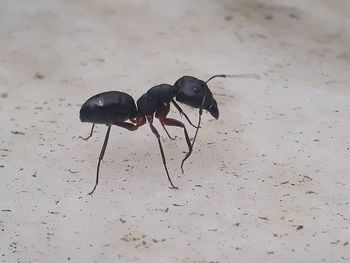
[182, 113]
[92, 130]
[161, 114]
[155, 132]
[199, 116]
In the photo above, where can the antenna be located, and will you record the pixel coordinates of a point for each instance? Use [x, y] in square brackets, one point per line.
[247, 76]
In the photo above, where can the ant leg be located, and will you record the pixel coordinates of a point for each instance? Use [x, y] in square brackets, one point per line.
[171, 138]
[161, 112]
[182, 112]
[92, 130]
[199, 117]
[155, 132]
[101, 157]
[126, 125]
[173, 122]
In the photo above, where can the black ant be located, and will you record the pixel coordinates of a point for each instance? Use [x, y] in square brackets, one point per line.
[115, 108]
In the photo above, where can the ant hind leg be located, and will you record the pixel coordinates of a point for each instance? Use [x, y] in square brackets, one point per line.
[92, 130]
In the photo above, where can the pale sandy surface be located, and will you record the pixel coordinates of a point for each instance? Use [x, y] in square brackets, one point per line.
[268, 182]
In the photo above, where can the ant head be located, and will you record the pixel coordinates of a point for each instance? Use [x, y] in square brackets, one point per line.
[191, 90]
[146, 104]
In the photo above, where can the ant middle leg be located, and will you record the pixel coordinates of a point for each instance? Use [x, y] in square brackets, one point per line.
[161, 114]
[156, 133]
[162, 111]
[173, 122]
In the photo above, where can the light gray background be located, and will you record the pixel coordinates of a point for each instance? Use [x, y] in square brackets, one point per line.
[267, 182]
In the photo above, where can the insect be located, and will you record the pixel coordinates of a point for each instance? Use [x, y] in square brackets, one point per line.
[116, 108]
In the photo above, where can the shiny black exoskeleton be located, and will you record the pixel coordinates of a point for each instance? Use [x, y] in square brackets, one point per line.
[108, 108]
[191, 91]
[116, 108]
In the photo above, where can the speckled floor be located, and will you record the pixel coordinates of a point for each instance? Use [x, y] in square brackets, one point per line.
[267, 182]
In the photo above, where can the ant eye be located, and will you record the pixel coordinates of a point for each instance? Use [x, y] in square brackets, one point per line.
[196, 89]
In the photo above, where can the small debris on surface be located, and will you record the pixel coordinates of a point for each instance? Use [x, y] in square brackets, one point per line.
[53, 213]
[17, 132]
[39, 76]
[295, 16]
[286, 182]
[263, 218]
[4, 95]
[299, 227]
[122, 220]
[177, 204]
[73, 172]
[4, 150]
[140, 242]
[6, 210]
[163, 210]
[34, 175]
[310, 192]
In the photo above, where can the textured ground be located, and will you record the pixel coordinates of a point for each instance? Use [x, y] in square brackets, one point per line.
[267, 182]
